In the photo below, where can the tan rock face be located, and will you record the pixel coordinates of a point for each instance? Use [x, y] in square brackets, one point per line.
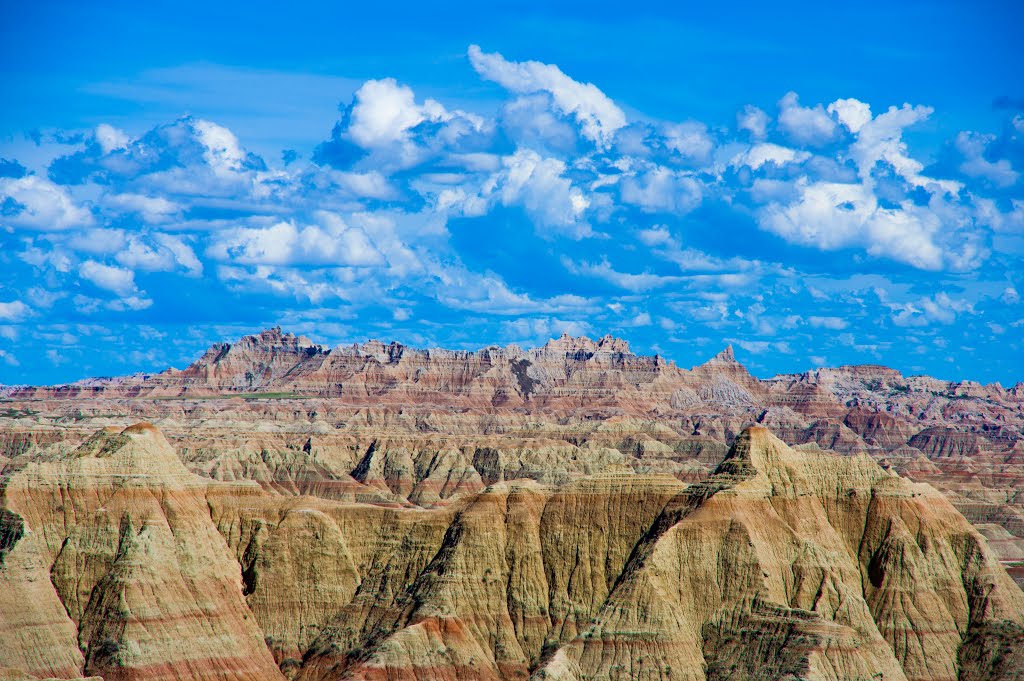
[798, 565]
[113, 567]
[782, 564]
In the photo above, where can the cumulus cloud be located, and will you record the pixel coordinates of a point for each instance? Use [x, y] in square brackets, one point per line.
[852, 113]
[831, 323]
[190, 157]
[110, 138]
[940, 308]
[115, 279]
[811, 126]
[221, 149]
[152, 209]
[888, 207]
[690, 140]
[662, 190]
[667, 247]
[759, 154]
[832, 215]
[161, 253]
[386, 129]
[14, 311]
[973, 147]
[33, 202]
[597, 115]
[753, 120]
[881, 140]
[384, 112]
[537, 330]
[330, 242]
[540, 186]
[637, 283]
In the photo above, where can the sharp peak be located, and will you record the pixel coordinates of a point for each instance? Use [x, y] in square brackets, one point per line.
[274, 335]
[726, 356]
[608, 343]
[756, 448]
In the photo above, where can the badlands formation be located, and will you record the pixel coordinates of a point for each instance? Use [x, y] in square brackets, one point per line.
[572, 512]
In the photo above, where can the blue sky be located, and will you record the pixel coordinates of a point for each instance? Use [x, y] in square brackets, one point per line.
[815, 185]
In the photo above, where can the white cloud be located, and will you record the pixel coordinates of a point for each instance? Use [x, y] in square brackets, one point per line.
[384, 112]
[110, 138]
[690, 140]
[641, 319]
[753, 120]
[631, 282]
[655, 236]
[662, 190]
[940, 308]
[41, 297]
[597, 115]
[831, 215]
[831, 323]
[531, 123]
[55, 358]
[98, 240]
[973, 146]
[762, 347]
[538, 184]
[759, 154]
[41, 204]
[14, 311]
[852, 113]
[331, 242]
[53, 258]
[466, 290]
[164, 253]
[881, 139]
[133, 303]
[8, 358]
[115, 279]
[667, 247]
[805, 125]
[221, 149]
[371, 185]
[153, 209]
[182, 252]
[383, 117]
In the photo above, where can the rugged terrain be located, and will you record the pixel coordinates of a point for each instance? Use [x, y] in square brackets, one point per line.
[573, 511]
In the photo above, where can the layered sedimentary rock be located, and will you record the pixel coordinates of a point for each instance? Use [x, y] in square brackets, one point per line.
[298, 417]
[112, 566]
[787, 564]
[568, 512]
[783, 563]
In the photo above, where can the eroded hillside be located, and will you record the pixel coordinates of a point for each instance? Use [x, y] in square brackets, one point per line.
[120, 563]
[570, 512]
